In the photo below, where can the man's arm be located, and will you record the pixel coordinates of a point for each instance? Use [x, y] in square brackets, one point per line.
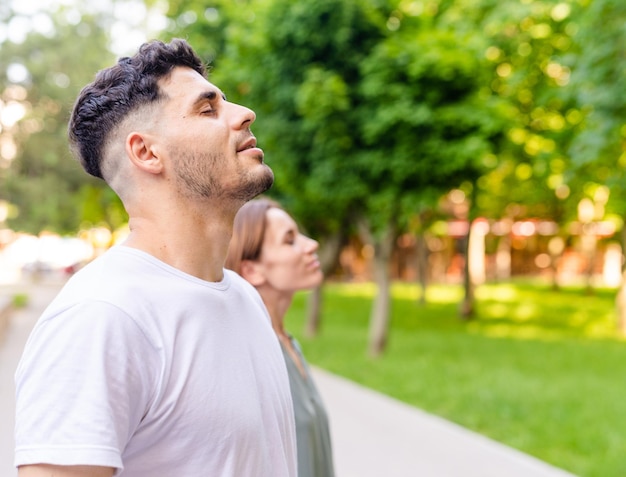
[46, 470]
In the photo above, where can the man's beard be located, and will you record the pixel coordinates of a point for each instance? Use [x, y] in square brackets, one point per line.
[196, 176]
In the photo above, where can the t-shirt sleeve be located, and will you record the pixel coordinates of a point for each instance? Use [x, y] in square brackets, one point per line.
[86, 378]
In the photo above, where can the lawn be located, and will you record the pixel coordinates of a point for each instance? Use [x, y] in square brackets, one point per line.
[537, 369]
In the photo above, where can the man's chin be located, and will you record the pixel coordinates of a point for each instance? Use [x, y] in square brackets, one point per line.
[268, 180]
[256, 184]
[265, 179]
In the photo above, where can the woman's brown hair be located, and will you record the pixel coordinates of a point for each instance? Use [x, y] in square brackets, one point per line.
[248, 232]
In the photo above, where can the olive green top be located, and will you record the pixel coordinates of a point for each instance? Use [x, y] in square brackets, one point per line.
[312, 430]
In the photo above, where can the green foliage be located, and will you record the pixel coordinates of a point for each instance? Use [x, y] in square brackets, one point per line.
[531, 50]
[100, 205]
[602, 62]
[43, 182]
[300, 79]
[536, 369]
[209, 23]
[427, 128]
[598, 83]
[368, 108]
[356, 116]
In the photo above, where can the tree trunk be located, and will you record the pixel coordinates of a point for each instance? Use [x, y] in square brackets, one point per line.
[503, 258]
[313, 318]
[589, 246]
[421, 251]
[328, 256]
[381, 308]
[476, 252]
[620, 298]
[623, 244]
[466, 308]
[474, 269]
[554, 271]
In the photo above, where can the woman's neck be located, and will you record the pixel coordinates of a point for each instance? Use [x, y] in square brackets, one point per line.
[277, 305]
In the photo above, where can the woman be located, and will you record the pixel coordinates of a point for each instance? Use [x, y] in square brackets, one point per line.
[269, 252]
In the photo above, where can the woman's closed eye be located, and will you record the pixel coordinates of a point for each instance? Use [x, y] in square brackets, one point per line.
[290, 238]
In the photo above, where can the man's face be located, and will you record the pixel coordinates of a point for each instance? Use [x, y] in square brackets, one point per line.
[212, 151]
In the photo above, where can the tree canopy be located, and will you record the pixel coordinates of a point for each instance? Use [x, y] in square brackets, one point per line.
[369, 111]
[39, 80]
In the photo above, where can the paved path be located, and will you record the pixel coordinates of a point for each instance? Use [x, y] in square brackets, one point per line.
[377, 436]
[11, 345]
[373, 435]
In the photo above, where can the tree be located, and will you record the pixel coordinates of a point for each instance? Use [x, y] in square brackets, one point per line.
[40, 78]
[205, 25]
[599, 81]
[307, 82]
[532, 50]
[365, 114]
[370, 111]
[598, 84]
[431, 124]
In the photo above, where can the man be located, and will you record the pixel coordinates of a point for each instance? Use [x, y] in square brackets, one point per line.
[153, 360]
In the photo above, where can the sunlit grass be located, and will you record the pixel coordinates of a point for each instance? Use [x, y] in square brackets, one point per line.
[366, 290]
[538, 311]
[537, 369]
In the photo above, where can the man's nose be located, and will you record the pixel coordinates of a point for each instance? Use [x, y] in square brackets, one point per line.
[243, 117]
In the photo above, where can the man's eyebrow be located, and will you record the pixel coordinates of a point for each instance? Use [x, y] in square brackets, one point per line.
[208, 96]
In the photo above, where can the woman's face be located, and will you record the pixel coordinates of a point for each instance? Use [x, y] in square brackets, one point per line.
[288, 259]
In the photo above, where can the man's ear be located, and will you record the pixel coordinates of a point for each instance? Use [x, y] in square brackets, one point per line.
[141, 152]
[252, 272]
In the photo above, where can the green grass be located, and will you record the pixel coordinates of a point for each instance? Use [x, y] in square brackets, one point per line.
[540, 370]
[19, 300]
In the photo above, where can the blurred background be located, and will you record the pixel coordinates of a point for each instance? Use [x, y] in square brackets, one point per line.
[462, 163]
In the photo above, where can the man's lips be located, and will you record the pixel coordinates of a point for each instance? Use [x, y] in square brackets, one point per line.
[249, 147]
[249, 144]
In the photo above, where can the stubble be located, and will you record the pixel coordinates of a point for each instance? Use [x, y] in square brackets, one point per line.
[198, 175]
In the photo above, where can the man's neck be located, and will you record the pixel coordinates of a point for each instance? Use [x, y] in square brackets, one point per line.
[194, 244]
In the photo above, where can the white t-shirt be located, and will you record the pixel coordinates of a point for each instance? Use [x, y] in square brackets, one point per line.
[139, 366]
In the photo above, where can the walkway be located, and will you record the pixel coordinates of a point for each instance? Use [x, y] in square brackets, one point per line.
[373, 435]
[11, 345]
[377, 436]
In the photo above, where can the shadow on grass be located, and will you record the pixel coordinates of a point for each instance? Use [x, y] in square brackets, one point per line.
[518, 310]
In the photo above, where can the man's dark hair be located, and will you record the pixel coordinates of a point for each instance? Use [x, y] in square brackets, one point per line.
[119, 90]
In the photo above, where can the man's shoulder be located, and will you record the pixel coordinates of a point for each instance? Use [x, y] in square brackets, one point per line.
[239, 283]
[236, 279]
[114, 280]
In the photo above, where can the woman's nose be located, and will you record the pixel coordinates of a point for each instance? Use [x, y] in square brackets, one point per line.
[310, 244]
